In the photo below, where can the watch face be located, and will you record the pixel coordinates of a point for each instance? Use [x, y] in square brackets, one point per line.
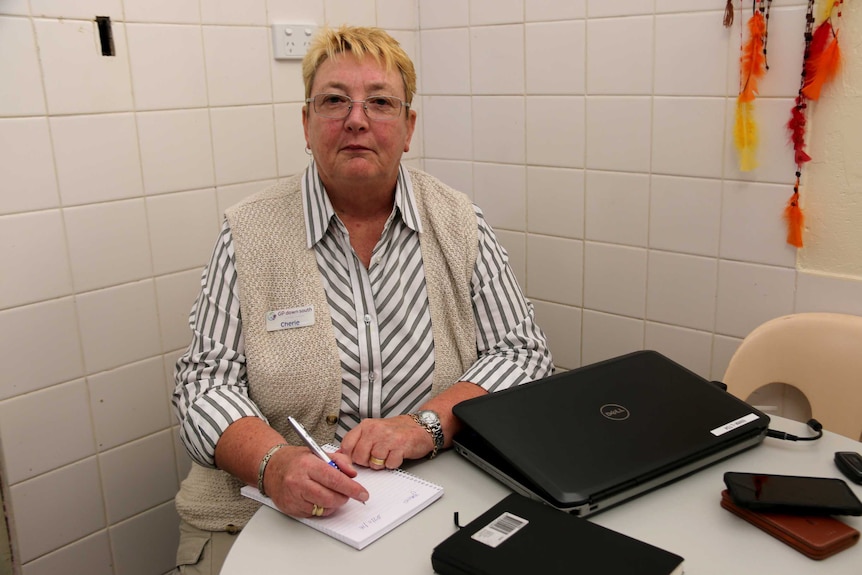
[428, 416]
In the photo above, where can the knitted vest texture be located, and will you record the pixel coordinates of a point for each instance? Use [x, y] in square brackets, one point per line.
[298, 371]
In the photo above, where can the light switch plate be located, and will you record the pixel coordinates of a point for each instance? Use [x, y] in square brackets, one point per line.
[291, 41]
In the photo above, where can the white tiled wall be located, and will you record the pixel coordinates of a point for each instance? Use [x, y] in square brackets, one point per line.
[594, 135]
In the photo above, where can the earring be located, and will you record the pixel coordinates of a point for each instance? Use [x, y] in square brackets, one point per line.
[307, 150]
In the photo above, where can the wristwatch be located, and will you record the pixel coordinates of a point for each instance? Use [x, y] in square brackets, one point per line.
[431, 422]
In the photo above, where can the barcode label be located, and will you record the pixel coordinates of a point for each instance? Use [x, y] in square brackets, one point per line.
[719, 431]
[500, 529]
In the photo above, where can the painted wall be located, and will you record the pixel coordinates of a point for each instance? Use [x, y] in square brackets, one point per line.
[604, 165]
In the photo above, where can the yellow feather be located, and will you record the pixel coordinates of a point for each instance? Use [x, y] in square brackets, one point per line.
[745, 135]
[826, 10]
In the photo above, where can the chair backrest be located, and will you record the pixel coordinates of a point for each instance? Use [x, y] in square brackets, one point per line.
[818, 353]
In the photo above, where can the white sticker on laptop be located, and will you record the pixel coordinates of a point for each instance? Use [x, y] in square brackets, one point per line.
[719, 431]
[290, 318]
[500, 529]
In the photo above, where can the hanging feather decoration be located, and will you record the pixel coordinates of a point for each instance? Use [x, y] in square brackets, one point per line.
[745, 135]
[795, 220]
[796, 127]
[823, 66]
[728, 14]
[753, 61]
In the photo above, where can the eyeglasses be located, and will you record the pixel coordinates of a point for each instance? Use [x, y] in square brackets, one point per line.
[338, 106]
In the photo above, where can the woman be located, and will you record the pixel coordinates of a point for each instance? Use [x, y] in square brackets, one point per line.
[363, 298]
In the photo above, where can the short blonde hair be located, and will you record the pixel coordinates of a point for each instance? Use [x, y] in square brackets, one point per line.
[359, 41]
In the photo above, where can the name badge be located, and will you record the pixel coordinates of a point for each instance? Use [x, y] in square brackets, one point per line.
[290, 318]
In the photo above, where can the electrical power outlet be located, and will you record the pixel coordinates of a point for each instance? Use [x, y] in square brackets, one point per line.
[290, 41]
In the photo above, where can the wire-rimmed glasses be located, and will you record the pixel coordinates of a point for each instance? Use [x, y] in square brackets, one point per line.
[339, 106]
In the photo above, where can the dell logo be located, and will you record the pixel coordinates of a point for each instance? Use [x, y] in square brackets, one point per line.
[614, 411]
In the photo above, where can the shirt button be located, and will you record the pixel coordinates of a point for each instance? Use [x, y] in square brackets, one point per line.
[331, 419]
[367, 319]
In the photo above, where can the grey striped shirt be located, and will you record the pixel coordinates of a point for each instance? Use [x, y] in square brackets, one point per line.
[380, 316]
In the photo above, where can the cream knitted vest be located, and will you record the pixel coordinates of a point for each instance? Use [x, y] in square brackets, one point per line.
[298, 371]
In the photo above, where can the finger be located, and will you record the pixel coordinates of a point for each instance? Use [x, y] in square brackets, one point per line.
[337, 483]
[375, 462]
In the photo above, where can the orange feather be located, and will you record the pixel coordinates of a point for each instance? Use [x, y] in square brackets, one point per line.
[795, 220]
[753, 61]
[824, 67]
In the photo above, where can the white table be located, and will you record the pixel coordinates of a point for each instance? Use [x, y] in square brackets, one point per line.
[683, 517]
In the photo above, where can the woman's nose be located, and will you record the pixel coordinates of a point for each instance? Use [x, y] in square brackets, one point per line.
[356, 118]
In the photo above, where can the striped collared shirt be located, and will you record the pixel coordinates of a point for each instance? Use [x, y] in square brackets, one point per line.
[380, 317]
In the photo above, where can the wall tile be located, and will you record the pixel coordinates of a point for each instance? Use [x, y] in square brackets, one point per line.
[22, 336]
[146, 543]
[555, 131]
[774, 156]
[691, 42]
[688, 136]
[22, 71]
[602, 8]
[108, 244]
[227, 196]
[15, 7]
[182, 229]
[618, 133]
[456, 174]
[685, 215]
[409, 42]
[295, 11]
[78, 79]
[119, 325]
[500, 191]
[723, 348]
[617, 207]
[287, 84]
[558, 279]
[681, 6]
[243, 144]
[555, 201]
[91, 555]
[184, 462]
[128, 403]
[30, 447]
[237, 65]
[46, 517]
[615, 279]
[820, 292]
[175, 294]
[81, 9]
[447, 123]
[167, 63]
[33, 258]
[176, 150]
[497, 59]
[484, 12]
[443, 14]
[250, 13]
[691, 349]
[97, 158]
[537, 10]
[498, 129]
[562, 327]
[353, 12]
[26, 164]
[752, 226]
[167, 11]
[398, 15]
[138, 476]
[749, 295]
[555, 53]
[606, 336]
[682, 290]
[617, 67]
[445, 67]
[290, 139]
[515, 244]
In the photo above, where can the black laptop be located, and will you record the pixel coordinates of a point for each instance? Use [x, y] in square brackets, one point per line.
[587, 439]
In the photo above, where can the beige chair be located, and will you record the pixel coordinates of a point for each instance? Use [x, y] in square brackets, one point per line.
[818, 353]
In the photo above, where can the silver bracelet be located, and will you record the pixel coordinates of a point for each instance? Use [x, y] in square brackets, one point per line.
[263, 464]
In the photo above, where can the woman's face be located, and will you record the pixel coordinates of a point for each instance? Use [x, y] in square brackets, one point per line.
[357, 150]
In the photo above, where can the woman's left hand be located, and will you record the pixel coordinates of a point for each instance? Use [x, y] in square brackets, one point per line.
[386, 443]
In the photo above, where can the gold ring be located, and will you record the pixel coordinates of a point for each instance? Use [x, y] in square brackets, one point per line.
[376, 460]
[317, 511]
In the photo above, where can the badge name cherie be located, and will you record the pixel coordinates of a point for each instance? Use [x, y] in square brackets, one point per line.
[290, 318]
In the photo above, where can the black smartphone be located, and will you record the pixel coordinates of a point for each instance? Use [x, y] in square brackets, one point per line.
[792, 494]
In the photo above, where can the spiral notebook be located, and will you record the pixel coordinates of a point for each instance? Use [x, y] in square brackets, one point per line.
[394, 497]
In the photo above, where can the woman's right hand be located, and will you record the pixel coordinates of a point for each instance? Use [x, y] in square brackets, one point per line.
[297, 480]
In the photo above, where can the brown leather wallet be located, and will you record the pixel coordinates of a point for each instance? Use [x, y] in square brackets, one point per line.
[817, 537]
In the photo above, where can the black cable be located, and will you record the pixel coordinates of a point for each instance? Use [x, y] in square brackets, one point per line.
[815, 425]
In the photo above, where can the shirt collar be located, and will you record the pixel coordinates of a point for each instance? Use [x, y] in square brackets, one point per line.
[319, 211]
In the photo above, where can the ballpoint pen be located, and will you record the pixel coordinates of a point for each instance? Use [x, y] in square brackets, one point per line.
[309, 441]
